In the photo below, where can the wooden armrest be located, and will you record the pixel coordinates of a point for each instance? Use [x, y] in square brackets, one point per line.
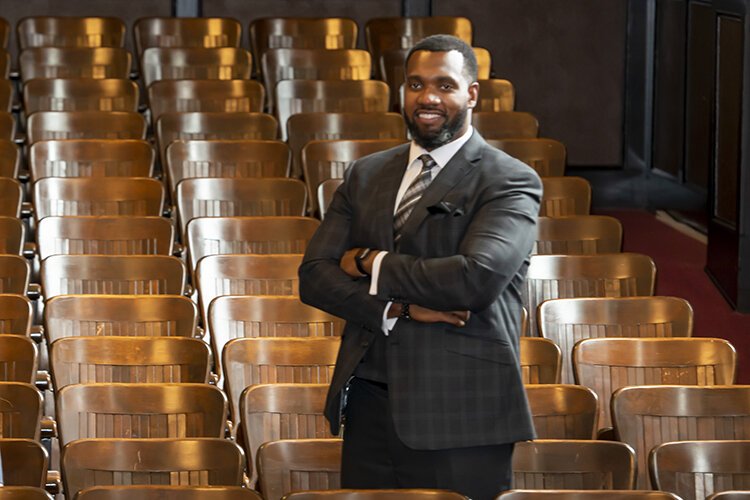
[27, 210]
[37, 333]
[34, 292]
[29, 250]
[43, 381]
[178, 249]
[49, 427]
[53, 483]
[200, 333]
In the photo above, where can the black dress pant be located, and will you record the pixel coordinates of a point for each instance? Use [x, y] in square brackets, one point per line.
[374, 456]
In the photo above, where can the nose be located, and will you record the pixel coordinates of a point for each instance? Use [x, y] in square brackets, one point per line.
[428, 96]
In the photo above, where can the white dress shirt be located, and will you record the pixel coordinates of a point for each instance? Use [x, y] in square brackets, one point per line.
[442, 155]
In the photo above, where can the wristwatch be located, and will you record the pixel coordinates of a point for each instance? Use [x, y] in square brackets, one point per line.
[358, 261]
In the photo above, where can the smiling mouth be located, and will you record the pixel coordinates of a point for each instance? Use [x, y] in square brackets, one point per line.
[428, 115]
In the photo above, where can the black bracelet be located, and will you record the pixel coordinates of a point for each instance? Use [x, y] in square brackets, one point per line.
[404, 312]
[358, 261]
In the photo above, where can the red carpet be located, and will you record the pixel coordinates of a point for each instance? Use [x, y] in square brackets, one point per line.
[680, 260]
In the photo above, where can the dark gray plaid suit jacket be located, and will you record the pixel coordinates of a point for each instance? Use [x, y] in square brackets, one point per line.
[465, 246]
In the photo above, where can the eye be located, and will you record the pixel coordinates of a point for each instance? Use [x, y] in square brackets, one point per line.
[414, 85]
[446, 86]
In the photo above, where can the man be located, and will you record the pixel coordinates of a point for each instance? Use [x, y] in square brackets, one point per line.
[425, 257]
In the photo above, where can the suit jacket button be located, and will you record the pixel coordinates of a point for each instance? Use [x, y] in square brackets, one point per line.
[365, 343]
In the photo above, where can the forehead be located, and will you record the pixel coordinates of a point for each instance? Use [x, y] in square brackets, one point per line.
[424, 63]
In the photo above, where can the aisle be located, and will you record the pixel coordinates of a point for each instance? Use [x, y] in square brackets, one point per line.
[680, 260]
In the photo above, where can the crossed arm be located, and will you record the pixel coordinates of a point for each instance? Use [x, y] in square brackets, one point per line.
[494, 246]
[416, 312]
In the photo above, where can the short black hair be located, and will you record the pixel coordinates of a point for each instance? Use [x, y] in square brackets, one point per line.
[446, 43]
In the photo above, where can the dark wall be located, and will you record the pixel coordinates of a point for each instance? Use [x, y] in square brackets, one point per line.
[684, 62]
[669, 80]
[566, 59]
[699, 89]
[638, 66]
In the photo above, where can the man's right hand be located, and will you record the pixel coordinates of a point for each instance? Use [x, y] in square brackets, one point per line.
[426, 315]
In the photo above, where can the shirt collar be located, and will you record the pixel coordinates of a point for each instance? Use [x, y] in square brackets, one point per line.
[443, 154]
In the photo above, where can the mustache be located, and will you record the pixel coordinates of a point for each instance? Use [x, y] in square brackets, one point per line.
[430, 109]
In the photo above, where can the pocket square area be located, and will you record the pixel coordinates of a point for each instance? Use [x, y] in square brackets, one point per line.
[447, 208]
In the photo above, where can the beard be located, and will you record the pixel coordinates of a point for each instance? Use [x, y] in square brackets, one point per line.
[434, 139]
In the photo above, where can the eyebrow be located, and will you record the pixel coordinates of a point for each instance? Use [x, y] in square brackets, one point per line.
[447, 79]
[439, 79]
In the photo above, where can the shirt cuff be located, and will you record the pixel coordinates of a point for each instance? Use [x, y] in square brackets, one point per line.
[388, 323]
[376, 273]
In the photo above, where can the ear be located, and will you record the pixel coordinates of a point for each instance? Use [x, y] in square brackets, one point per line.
[473, 95]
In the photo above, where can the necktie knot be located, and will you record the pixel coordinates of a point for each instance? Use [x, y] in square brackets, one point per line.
[427, 162]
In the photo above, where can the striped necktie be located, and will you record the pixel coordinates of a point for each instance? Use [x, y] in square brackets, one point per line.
[412, 195]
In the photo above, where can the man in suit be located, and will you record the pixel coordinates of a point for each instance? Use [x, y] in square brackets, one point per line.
[423, 251]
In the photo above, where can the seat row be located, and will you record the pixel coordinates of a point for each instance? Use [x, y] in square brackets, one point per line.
[113, 67]
[329, 33]
[61, 79]
[321, 160]
[151, 235]
[557, 464]
[583, 275]
[300, 128]
[279, 346]
[213, 197]
[290, 411]
[178, 36]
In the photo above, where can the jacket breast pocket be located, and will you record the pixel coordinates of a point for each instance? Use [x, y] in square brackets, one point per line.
[485, 349]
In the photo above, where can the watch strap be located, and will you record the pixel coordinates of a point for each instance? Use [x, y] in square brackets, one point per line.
[358, 261]
[404, 312]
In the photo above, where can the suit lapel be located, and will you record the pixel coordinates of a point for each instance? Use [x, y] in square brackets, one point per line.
[386, 190]
[460, 165]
